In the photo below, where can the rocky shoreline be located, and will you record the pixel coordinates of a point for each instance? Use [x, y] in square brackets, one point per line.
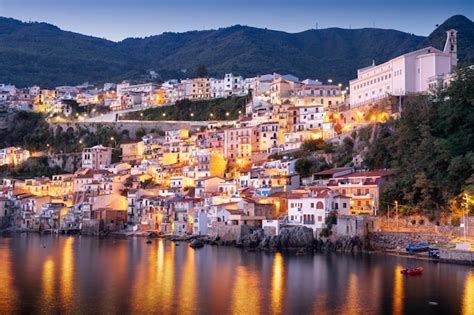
[301, 241]
[296, 239]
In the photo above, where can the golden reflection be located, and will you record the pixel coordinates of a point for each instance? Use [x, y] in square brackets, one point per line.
[468, 297]
[67, 273]
[277, 289]
[351, 304]
[398, 291]
[187, 298]
[153, 289]
[48, 282]
[245, 293]
[7, 291]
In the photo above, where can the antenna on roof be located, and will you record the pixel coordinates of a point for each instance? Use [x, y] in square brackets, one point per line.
[316, 25]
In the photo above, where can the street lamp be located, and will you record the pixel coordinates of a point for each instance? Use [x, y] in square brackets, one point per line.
[465, 198]
[396, 212]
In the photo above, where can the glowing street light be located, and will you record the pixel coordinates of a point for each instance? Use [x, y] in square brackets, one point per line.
[329, 80]
[227, 114]
[192, 114]
[164, 114]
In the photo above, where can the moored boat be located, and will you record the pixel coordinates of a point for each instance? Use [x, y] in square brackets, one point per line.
[417, 247]
[412, 271]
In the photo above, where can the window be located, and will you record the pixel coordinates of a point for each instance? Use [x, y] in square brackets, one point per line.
[312, 205]
[320, 218]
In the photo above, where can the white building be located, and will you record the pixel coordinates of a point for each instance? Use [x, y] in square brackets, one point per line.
[217, 88]
[233, 85]
[126, 87]
[405, 74]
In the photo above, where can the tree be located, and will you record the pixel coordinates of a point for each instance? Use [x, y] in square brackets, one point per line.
[140, 132]
[201, 71]
[313, 145]
[429, 149]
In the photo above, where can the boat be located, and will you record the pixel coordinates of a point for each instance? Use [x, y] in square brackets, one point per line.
[417, 247]
[433, 253]
[412, 272]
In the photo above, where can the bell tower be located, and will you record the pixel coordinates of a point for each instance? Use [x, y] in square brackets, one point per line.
[451, 46]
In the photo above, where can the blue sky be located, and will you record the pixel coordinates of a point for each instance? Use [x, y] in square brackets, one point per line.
[118, 19]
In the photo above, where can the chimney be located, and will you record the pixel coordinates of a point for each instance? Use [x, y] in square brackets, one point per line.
[450, 47]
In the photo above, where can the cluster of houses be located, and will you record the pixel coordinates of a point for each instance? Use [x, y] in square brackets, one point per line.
[202, 180]
[188, 183]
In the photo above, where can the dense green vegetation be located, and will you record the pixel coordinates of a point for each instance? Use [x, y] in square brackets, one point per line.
[215, 109]
[31, 131]
[430, 149]
[39, 53]
[33, 167]
[28, 130]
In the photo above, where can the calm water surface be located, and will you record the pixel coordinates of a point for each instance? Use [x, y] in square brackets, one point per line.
[50, 274]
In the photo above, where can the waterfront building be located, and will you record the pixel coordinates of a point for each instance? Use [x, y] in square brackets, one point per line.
[364, 188]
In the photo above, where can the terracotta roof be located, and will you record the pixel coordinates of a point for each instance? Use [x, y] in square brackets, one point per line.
[333, 171]
[368, 174]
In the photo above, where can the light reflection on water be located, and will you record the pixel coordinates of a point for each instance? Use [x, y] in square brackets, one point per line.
[8, 296]
[51, 274]
[468, 296]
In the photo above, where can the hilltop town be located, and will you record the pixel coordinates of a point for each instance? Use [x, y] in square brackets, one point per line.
[285, 152]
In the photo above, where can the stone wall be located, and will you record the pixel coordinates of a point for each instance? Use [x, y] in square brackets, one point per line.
[394, 240]
[423, 225]
[457, 256]
[90, 227]
[131, 125]
[4, 222]
[230, 232]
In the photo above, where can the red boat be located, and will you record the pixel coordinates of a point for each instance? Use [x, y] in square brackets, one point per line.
[412, 272]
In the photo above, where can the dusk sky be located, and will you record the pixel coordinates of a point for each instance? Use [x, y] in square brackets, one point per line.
[118, 19]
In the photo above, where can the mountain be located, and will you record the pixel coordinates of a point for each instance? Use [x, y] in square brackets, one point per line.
[329, 53]
[40, 53]
[465, 28]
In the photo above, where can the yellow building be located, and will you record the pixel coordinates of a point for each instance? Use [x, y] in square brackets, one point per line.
[132, 150]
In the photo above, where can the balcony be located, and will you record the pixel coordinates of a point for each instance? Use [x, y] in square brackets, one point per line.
[362, 196]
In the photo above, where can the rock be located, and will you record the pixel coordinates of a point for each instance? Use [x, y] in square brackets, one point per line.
[196, 243]
[294, 237]
[252, 240]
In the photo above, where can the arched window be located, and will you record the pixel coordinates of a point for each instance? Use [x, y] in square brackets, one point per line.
[319, 205]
